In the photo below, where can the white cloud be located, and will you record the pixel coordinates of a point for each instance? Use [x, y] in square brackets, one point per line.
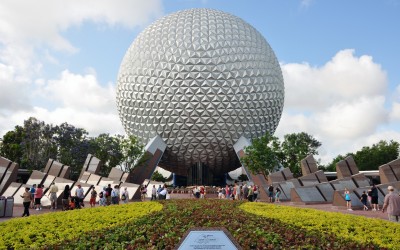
[342, 103]
[344, 78]
[29, 31]
[79, 100]
[353, 119]
[13, 90]
[395, 112]
[43, 21]
[80, 92]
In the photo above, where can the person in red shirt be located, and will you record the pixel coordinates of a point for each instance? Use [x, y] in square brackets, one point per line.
[38, 196]
[255, 193]
[202, 192]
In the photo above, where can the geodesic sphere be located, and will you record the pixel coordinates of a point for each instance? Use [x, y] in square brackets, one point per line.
[200, 79]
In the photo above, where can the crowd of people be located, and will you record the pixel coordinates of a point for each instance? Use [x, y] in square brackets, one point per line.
[113, 195]
[160, 193]
[232, 192]
[370, 200]
[107, 196]
[32, 197]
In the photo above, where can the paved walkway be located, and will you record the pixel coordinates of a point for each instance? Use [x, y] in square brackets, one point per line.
[18, 210]
[324, 207]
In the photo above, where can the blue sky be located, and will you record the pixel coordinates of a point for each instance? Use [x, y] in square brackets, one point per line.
[59, 62]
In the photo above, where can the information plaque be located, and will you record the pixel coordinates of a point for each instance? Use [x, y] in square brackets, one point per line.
[208, 238]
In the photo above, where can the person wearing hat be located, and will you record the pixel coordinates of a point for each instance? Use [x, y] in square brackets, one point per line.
[53, 195]
[392, 205]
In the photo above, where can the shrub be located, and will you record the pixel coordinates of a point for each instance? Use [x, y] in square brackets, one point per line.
[384, 234]
[164, 229]
[53, 228]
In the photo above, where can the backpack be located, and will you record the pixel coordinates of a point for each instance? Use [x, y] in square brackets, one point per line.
[101, 194]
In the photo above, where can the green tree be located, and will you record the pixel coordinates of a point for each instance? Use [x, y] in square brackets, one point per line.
[108, 149]
[263, 155]
[10, 147]
[132, 153]
[73, 147]
[157, 176]
[38, 144]
[296, 147]
[370, 158]
[332, 166]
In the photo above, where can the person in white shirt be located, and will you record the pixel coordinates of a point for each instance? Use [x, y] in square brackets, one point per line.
[125, 196]
[163, 194]
[80, 194]
[153, 193]
[115, 195]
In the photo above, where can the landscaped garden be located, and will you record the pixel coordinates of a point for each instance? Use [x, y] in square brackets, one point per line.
[160, 225]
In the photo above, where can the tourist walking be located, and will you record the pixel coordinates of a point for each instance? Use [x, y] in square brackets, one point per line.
[79, 195]
[369, 193]
[220, 194]
[26, 201]
[163, 194]
[108, 194]
[66, 198]
[196, 192]
[255, 193]
[250, 193]
[374, 198]
[143, 192]
[237, 191]
[277, 194]
[227, 192]
[38, 197]
[158, 191]
[93, 196]
[53, 195]
[125, 196]
[348, 199]
[245, 191]
[392, 205]
[271, 193]
[364, 200]
[202, 192]
[115, 195]
[102, 197]
[153, 193]
[32, 191]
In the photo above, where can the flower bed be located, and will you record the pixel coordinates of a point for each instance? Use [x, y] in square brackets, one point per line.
[164, 229]
[253, 225]
[354, 228]
[53, 228]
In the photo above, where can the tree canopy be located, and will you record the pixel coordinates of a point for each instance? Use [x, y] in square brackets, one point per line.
[263, 155]
[268, 153]
[296, 147]
[32, 144]
[370, 158]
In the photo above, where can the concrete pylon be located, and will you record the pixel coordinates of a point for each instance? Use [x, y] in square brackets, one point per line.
[154, 150]
[257, 179]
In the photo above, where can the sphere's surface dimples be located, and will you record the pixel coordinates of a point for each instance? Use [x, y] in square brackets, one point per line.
[200, 79]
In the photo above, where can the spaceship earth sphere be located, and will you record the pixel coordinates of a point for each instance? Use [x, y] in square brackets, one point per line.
[200, 79]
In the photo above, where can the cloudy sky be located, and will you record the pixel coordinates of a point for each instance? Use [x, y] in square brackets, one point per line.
[340, 60]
